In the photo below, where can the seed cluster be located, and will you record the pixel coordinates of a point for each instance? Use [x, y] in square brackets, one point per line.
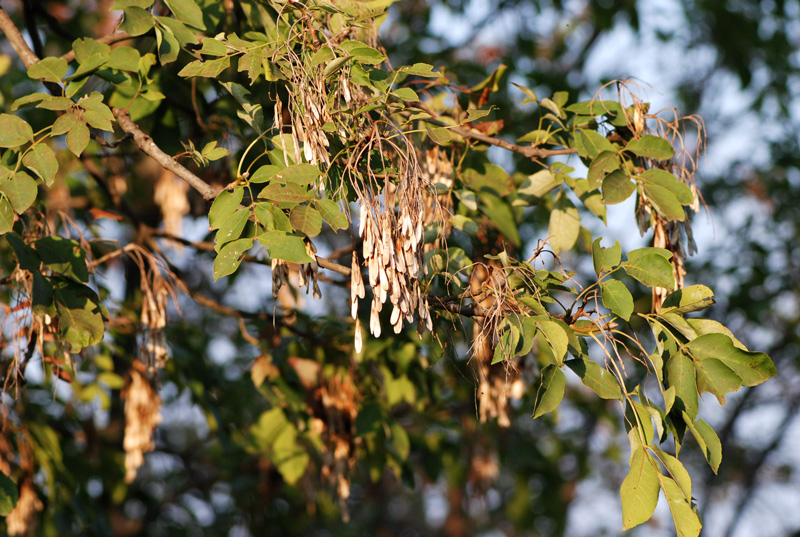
[142, 415]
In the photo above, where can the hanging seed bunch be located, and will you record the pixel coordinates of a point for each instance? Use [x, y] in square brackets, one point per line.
[437, 170]
[23, 520]
[142, 416]
[156, 291]
[280, 276]
[170, 196]
[338, 398]
[391, 227]
[307, 275]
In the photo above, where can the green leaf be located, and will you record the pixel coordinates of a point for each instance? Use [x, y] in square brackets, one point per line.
[710, 326]
[26, 256]
[532, 98]
[664, 202]
[595, 108]
[290, 192]
[507, 344]
[687, 523]
[536, 136]
[302, 174]
[213, 47]
[753, 367]
[716, 378]
[264, 174]
[651, 269]
[79, 316]
[639, 491]
[271, 217]
[565, 224]
[78, 138]
[65, 123]
[232, 227]
[617, 298]
[707, 440]
[122, 4]
[187, 11]
[439, 135]
[63, 256]
[605, 259]
[367, 55]
[501, 216]
[688, 299]
[551, 391]
[87, 47]
[29, 99]
[124, 59]
[208, 69]
[230, 257]
[596, 378]
[6, 215]
[617, 187]
[664, 179]
[289, 456]
[332, 214]
[168, 46]
[680, 373]
[137, 21]
[223, 207]
[603, 164]
[8, 495]
[640, 419]
[635, 255]
[306, 220]
[421, 69]
[50, 69]
[184, 35]
[538, 185]
[56, 103]
[591, 143]
[20, 191]
[406, 94]
[285, 246]
[334, 66]
[675, 471]
[252, 61]
[652, 147]
[14, 131]
[556, 336]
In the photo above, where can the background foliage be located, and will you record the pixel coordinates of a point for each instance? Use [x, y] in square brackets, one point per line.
[266, 413]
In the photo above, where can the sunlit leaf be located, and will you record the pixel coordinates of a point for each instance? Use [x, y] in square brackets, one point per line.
[551, 391]
[639, 491]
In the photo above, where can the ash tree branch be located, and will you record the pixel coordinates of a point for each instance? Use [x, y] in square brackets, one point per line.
[14, 36]
[148, 146]
[528, 151]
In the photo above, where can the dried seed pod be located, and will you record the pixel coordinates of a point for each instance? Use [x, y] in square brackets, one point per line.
[358, 342]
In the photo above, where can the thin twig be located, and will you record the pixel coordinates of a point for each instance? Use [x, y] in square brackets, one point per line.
[528, 151]
[148, 146]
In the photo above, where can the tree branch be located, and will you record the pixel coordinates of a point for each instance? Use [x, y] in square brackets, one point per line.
[148, 146]
[528, 151]
[14, 36]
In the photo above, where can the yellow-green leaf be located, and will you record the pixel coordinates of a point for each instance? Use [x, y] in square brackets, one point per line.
[551, 390]
[639, 491]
